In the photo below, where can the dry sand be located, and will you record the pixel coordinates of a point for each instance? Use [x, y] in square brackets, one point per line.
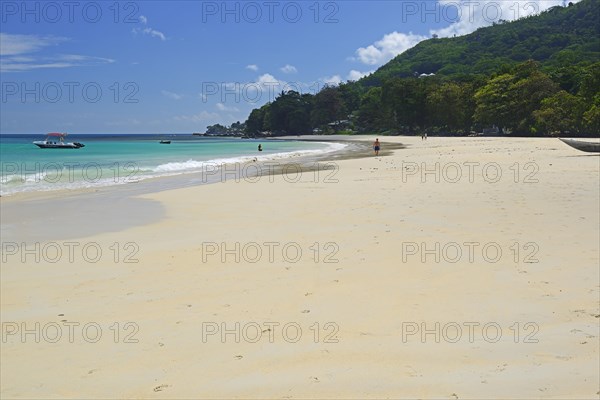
[362, 304]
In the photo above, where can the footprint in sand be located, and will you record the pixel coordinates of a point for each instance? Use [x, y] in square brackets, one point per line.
[501, 368]
[238, 357]
[305, 311]
[160, 388]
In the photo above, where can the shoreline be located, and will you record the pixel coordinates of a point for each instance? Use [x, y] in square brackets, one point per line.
[26, 214]
[133, 171]
[345, 153]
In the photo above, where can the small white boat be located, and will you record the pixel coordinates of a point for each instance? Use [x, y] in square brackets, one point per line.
[588, 147]
[57, 141]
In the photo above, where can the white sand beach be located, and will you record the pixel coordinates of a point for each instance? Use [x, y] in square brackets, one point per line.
[455, 268]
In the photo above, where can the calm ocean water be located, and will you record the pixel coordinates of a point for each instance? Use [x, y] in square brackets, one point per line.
[119, 159]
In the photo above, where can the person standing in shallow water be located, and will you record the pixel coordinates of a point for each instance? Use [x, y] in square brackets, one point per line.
[376, 147]
[260, 147]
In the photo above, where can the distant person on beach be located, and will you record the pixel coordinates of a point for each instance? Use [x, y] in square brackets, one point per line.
[260, 147]
[376, 147]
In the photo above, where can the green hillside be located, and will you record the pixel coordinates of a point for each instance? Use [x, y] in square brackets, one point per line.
[559, 37]
[535, 76]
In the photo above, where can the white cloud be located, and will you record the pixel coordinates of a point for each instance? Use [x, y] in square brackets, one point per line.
[264, 88]
[267, 87]
[268, 79]
[332, 80]
[223, 107]
[148, 31]
[7, 66]
[268, 83]
[77, 58]
[468, 16]
[273, 86]
[22, 59]
[11, 45]
[388, 47]
[155, 33]
[252, 67]
[171, 95]
[463, 16]
[15, 52]
[289, 69]
[355, 75]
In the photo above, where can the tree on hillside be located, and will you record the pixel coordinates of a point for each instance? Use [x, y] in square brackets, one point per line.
[328, 106]
[290, 113]
[449, 106]
[526, 96]
[509, 100]
[405, 103]
[591, 118]
[589, 82]
[216, 129]
[371, 115]
[560, 113]
[492, 102]
[350, 93]
[255, 122]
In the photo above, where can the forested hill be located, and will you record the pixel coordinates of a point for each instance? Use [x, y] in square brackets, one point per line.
[559, 37]
[535, 76]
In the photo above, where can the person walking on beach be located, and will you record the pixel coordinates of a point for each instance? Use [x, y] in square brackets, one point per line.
[376, 146]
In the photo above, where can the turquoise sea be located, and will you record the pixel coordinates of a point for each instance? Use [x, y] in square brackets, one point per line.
[120, 159]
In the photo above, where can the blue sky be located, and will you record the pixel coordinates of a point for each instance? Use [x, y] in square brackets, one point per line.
[178, 66]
